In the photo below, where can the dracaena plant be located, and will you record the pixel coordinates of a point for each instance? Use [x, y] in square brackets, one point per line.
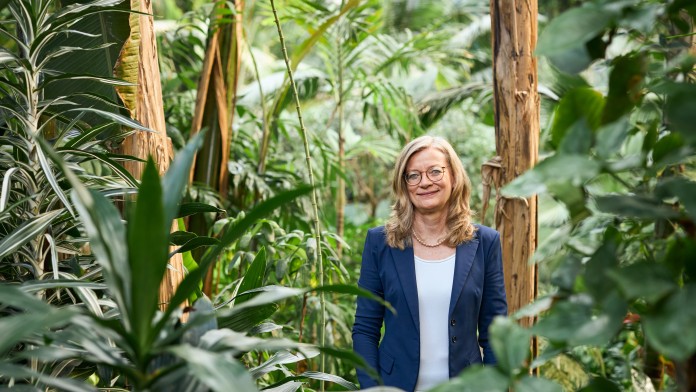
[37, 220]
[127, 342]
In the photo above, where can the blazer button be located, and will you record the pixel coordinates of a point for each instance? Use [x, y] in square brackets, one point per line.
[454, 339]
[453, 322]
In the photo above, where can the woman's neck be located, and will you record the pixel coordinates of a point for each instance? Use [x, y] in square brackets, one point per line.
[431, 226]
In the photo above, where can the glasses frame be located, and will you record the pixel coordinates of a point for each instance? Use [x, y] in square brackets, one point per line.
[420, 173]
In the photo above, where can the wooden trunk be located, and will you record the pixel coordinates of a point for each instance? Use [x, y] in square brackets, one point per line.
[150, 112]
[514, 36]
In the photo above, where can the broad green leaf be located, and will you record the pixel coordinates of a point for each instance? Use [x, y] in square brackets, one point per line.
[625, 86]
[22, 326]
[176, 178]
[683, 189]
[27, 231]
[656, 281]
[181, 237]
[602, 261]
[254, 276]
[511, 345]
[600, 384]
[107, 235]
[670, 327]
[290, 386]
[187, 209]
[13, 295]
[476, 379]
[281, 358]
[573, 29]
[640, 207]
[611, 136]
[195, 243]
[330, 378]
[9, 370]
[580, 107]
[203, 316]
[247, 319]
[148, 235]
[218, 371]
[560, 168]
[680, 111]
[536, 384]
[38, 285]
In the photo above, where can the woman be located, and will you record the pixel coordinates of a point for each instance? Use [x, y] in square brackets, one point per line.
[441, 273]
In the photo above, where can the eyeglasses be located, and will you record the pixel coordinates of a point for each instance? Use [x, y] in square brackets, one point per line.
[434, 173]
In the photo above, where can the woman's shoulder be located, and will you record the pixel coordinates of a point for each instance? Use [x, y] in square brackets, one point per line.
[485, 233]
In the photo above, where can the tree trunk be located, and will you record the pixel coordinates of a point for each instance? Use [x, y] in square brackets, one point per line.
[514, 35]
[149, 111]
[217, 96]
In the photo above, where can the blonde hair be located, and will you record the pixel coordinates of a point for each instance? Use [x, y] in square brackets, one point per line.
[400, 224]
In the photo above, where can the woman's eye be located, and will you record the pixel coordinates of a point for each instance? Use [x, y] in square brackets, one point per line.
[412, 176]
[435, 172]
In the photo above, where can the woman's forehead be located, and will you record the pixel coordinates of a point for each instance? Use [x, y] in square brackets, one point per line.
[426, 158]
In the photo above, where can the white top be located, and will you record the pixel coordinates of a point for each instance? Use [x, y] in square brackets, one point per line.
[434, 281]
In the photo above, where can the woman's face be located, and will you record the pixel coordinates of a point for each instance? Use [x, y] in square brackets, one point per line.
[429, 196]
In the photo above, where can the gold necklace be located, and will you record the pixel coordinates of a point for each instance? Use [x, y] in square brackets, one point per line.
[425, 244]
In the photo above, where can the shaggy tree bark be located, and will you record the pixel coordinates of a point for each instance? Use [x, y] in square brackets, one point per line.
[147, 108]
[514, 35]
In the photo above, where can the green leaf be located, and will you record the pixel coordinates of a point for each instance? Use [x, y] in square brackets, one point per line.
[14, 296]
[640, 207]
[625, 84]
[190, 283]
[181, 237]
[107, 236]
[148, 235]
[218, 371]
[670, 327]
[27, 231]
[683, 189]
[600, 384]
[246, 319]
[655, 281]
[559, 168]
[195, 243]
[328, 377]
[680, 111]
[17, 328]
[573, 29]
[254, 276]
[536, 384]
[610, 137]
[176, 178]
[202, 317]
[577, 106]
[351, 290]
[511, 345]
[187, 209]
[476, 379]
[58, 383]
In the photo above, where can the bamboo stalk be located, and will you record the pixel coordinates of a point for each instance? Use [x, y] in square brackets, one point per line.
[315, 210]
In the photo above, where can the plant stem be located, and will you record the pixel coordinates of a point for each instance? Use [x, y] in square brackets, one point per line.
[315, 210]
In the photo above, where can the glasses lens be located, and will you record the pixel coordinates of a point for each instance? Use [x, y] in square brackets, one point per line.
[413, 178]
[435, 173]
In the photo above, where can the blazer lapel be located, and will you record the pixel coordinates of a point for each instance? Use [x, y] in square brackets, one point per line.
[406, 269]
[463, 262]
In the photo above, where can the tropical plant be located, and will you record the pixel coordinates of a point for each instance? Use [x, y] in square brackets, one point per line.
[621, 162]
[36, 216]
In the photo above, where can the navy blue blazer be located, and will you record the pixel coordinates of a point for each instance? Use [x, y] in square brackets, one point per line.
[478, 295]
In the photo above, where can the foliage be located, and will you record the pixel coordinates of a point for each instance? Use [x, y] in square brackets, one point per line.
[41, 237]
[621, 154]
